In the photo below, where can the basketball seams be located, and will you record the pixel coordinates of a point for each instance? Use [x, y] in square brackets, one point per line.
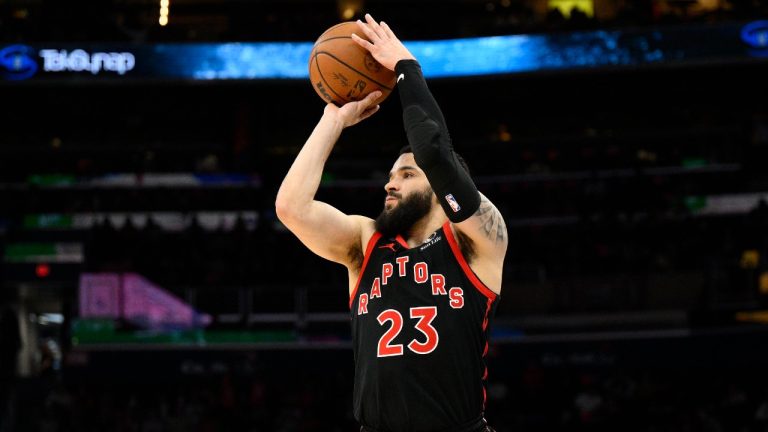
[354, 78]
[327, 85]
[331, 31]
[352, 68]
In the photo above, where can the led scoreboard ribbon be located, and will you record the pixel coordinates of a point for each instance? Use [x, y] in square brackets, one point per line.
[691, 44]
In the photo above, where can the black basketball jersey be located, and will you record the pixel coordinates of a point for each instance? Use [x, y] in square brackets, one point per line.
[420, 327]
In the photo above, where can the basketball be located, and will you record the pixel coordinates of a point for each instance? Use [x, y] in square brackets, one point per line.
[342, 71]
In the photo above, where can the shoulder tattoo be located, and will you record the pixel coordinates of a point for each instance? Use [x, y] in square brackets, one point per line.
[492, 223]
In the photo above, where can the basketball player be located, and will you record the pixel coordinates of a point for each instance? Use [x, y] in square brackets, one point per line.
[424, 276]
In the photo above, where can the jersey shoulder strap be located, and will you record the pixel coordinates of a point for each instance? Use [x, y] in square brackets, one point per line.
[368, 250]
[478, 284]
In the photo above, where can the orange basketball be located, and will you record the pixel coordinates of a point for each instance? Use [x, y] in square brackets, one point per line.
[342, 71]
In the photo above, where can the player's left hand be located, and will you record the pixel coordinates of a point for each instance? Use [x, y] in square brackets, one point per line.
[352, 113]
[384, 46]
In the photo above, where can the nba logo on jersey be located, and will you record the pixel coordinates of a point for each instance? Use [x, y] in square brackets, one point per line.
[452, 202]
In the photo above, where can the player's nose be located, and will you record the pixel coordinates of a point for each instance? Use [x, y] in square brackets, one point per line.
[391, 186]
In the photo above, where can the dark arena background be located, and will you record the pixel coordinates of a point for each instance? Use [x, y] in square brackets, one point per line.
[146, 284]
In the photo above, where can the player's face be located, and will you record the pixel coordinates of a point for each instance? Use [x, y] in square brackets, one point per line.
[409, 198]
[405, 179]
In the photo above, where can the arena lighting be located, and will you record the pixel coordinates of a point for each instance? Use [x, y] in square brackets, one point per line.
[348, 8]
[42, 270]
[567, 6]
[758, 316]
[50, 318]
[164, 10]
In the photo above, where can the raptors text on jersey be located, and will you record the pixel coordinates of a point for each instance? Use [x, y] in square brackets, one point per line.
[420, 327]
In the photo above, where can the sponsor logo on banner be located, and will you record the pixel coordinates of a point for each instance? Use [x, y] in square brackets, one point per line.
[755, 34]
[17, 62]
[20, 62]
[81, 61]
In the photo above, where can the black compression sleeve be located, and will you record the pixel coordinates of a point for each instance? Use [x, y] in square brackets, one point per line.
[414, 91]
[431, 144]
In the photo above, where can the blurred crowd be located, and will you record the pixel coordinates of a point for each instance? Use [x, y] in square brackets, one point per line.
[600, 260]
[608, 202]
[278, 391]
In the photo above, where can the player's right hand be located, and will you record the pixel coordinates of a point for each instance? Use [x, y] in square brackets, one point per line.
[384, 46]
[354, 112]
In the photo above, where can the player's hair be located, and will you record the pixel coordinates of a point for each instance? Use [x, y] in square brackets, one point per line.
[408, 149]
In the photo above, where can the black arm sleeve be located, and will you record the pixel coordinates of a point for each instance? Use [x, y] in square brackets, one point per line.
[428, 136]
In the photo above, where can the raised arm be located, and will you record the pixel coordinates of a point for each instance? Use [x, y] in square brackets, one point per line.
[471, 213]
[324, 229]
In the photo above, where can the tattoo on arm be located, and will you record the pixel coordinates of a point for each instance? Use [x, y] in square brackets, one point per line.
[492, 222]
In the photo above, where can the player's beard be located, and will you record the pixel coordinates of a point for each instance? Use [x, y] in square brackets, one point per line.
[400, 218]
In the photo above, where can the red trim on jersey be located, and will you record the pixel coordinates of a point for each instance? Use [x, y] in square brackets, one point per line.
[463, 263]
[485, 350]
[487, 312]
[371, 243]
[402, 241]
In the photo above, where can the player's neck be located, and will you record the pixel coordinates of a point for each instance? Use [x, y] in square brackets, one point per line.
[422, 229]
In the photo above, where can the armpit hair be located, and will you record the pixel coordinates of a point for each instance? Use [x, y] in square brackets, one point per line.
[355, 255]
[466, 246]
